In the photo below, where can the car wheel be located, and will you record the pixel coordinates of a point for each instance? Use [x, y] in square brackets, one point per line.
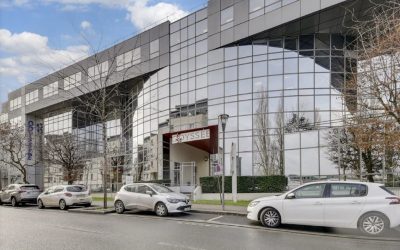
[270, 218]
[119, 207]
[1, 203]
[161, 209]
[40, 204]
[63, 205]
[14, 202]
[373, 224]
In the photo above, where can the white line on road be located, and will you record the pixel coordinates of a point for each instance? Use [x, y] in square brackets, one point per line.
[216, 218]
[178, 246]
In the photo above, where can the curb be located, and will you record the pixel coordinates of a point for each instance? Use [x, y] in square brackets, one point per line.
[91, 211]
[204, 211]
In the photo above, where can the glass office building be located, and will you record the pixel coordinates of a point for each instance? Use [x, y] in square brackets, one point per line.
[277, 68]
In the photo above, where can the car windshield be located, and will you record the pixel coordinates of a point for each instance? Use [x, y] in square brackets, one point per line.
[76, 189]
[30, 188]
[160, 188]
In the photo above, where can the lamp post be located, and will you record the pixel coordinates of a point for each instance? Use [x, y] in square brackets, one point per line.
[223, 118]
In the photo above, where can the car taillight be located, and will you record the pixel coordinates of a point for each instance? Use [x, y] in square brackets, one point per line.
[68, 194]
[394, 200]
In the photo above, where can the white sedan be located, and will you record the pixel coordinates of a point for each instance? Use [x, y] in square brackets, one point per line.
[368, 206]
[150, 197]
[64, 196]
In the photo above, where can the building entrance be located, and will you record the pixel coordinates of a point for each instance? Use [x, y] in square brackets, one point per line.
[184, 176]
[189, 156]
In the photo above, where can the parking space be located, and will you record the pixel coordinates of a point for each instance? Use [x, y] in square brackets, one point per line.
[233, 220]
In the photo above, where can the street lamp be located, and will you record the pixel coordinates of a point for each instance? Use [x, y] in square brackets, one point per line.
[223, 118]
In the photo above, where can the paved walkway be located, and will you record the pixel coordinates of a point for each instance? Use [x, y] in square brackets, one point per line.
[201, 208]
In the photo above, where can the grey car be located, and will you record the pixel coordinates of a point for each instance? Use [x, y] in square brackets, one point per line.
[17, 194]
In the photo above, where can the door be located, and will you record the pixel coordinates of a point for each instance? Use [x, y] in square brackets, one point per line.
[7, 193]
[57, 195]
[307, 206]
[46, 196]
[188, 177]
[145, 200]
[344, 204]
[130, 198]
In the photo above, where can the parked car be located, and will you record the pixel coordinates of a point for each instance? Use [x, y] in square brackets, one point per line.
[64, 196]
[150, 197]
[17, 194]
[368, 206]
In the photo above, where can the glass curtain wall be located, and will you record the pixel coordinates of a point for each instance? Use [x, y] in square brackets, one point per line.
[282, 96]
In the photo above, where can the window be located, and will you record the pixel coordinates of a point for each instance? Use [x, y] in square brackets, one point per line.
[154, 48]
[143, 189]
[98, 70]
[16, 122]
[348, 190]
[72, 81]
[50, 90]
[310, 191]
[131, 188]
[15, 103]
[32, 97]
[128, 59]
[227, 18]
[256, 8]
[3, 118]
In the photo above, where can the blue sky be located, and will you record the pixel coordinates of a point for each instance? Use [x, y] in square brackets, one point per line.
[40, 36]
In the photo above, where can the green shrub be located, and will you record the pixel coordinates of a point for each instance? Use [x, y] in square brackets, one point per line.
[245, 184]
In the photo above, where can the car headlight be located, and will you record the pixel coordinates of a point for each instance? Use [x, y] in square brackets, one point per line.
[171, 200]
[253, 203]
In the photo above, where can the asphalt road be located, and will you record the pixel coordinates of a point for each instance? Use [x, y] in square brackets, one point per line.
[30, 228]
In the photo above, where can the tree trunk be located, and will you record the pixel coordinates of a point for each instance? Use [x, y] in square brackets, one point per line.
[367, 157]
[104, 164]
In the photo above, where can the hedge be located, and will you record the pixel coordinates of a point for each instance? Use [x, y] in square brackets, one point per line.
[245, 184]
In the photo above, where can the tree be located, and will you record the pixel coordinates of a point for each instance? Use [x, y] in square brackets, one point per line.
[63, 150]
[101, 92]
[343, 150]
[377, 51]
[269, 140]
[12, 147]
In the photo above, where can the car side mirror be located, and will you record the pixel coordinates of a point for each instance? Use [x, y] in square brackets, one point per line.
[290, 196]
[149, 193]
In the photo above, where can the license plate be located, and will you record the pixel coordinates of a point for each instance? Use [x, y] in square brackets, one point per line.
[186, 209]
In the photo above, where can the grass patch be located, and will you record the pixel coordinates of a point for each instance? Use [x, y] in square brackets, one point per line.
[102, 199]
[241, 203]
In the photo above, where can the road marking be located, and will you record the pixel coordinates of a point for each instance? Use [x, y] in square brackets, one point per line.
[178, 246]
[216, 218]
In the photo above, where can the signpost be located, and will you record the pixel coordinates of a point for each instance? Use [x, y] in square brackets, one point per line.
[234, 172]
[191, 136]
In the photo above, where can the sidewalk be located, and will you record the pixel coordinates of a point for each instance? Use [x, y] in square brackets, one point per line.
[217, 209]
[198, 208]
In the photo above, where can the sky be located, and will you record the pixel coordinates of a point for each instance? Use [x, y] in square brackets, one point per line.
[38, 37]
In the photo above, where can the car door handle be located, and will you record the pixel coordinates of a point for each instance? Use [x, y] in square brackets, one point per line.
[318, 203]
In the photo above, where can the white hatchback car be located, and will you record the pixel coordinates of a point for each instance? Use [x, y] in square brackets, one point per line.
[368, 206]
[64, 196]
[150, 197]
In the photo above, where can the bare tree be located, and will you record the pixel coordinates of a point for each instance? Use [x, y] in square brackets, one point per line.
[13, 148]
[377, 51]
[100, 93]
[268, 141]
[63, 150]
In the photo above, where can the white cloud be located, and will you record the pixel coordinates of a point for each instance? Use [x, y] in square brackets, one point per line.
[143, 15]
[27, 56]
[86, 25]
